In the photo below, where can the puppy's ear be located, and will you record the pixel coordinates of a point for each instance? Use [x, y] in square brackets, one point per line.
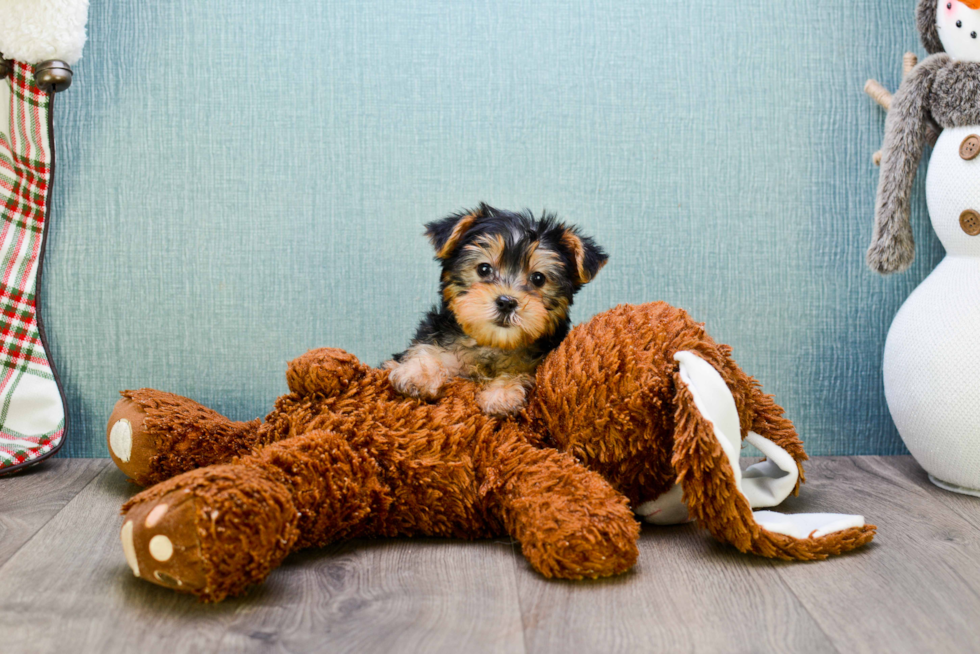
[446, 234]
[587, 257]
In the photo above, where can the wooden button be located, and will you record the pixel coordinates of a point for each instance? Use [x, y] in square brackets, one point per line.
[970, 147]
[970, 222]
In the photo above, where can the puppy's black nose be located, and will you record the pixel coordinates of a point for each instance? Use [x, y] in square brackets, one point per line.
[506, 303]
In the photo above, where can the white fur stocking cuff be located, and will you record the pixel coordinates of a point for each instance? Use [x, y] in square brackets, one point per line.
[40, 30]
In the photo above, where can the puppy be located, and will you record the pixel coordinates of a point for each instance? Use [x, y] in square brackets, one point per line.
[507, 284]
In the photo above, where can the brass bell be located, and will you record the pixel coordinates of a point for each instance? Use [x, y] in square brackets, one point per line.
[52, 76]
[6, 66]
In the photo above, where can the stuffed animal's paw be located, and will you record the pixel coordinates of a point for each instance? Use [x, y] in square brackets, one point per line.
[131, 447]
[153, 436]
[420, 377]
[160, 541]
[212, 532]
[503, 398]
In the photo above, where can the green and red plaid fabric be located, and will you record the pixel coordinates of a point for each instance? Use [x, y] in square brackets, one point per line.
[32, 416]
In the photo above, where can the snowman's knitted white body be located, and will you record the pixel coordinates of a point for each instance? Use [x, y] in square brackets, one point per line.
[932, 355]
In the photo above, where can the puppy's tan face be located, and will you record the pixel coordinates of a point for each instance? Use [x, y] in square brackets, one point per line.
[507, 298]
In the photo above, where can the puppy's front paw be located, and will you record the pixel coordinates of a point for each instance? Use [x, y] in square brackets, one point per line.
[502, 399]
[418, 377]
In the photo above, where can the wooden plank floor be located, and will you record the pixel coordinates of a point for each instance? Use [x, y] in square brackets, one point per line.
[65, 587]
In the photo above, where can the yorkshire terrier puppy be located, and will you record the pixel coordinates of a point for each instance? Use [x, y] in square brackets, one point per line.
[507, 284]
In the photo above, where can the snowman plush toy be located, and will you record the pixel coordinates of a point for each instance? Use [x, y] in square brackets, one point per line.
[932, 354]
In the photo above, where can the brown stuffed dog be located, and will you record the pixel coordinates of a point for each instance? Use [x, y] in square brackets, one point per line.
[639, 407]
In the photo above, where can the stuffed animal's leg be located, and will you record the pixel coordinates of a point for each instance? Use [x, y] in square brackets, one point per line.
[153, 436]
[216, 530]
[718, 495]
[569, 521]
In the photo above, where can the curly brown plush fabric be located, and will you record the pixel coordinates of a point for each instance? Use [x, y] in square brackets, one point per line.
[342, 455]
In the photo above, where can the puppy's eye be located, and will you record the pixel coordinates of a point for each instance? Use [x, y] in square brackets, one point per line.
[484, 270]
[538, 279]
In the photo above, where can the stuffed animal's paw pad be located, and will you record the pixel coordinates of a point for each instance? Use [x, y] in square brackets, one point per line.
[121, 439]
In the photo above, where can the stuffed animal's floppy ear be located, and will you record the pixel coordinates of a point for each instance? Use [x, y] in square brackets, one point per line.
[587, 257]
[445, 234]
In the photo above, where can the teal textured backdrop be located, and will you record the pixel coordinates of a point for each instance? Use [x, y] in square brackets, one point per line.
[240, 182]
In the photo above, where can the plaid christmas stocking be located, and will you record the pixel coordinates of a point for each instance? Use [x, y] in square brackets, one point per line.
[32, 414]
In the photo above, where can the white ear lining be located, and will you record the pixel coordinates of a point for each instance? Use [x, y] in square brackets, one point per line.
[769, 482]
[715, 403]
